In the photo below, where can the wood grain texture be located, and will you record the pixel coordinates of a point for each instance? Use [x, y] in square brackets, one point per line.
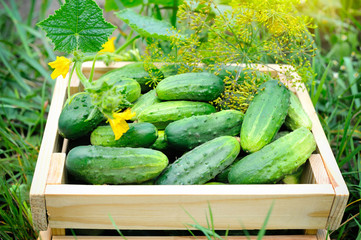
[45, 235]
[279, 237]
[57, 172]
[165, 207]
[48, 146]
[315, 172]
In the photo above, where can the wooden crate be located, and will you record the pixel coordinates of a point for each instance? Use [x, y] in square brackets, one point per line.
[316, 204]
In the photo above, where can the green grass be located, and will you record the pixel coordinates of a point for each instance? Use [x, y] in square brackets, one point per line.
[25, 92]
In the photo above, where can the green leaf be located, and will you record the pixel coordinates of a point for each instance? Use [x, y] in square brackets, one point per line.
[168, 3]
[121, 4]
[77, 25]
[147, 26]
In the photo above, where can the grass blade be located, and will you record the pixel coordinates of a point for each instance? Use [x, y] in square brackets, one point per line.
[262, 231]
[351, 79]
[322, 82]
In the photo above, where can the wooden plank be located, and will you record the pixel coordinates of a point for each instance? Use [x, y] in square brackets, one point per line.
[276, 237]
[48, 146]
[322, 235]
[329, 161]
[56, 172]
[164, 207]
[315, 172]
[57, 176]
[45, 235]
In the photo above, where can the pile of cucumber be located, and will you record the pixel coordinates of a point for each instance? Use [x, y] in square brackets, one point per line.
[178, 137]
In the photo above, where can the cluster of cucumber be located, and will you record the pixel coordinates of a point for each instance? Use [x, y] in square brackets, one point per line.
[177, 137]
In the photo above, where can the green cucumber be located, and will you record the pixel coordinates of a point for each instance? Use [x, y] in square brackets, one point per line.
[264, 116]
[163, 113]
[127, 87]
[110, 165]
[201, 164]
[190, 132]
[160, 143]
[296, 116]
[275, 160]
[169, 69]
[295, 177]
[202, 86]
[138, 135]
[79, 117]
[139, 72]
[143, 102]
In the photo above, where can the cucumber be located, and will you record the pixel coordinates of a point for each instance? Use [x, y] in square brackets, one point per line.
[169, 69]
[138, 135]
[202, 86]
[201, 164]
[296, 116]
[295, 177]
[143, 102]
[163, 113]
[79, 117]
[110, 165]
[127, 87]
[190, 132]
[160, 143]
[275, 160]
[264, 116]
[139, 72]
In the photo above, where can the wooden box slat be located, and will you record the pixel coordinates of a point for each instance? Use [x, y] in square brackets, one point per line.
[317, 204]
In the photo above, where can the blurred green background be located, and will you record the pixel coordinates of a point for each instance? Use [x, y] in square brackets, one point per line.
[26, 89]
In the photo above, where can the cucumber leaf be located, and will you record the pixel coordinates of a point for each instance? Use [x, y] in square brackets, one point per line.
[148, 26]
[77, 25]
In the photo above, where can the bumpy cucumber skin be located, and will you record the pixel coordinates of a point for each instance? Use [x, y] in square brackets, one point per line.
[109, 165]
[138, 135]
[190, 132]
[264, 116]
[201, 164]
[143, 102]
[73, 120]
[202, 86]
[163, 113]
[296, 116]
[275, 160]
[137, 72]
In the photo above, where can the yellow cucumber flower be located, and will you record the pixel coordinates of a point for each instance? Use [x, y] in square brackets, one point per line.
[108, 46]
[119, 124]
[61, 67]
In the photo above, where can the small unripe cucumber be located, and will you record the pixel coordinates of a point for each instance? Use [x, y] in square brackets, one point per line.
[160, 143]
[201, 164]
[190, 132]
[138, 135]
[296, 116]
[275, 160]
[264, 116]
[139, 72]
[202, 86]
[143, 102]
[122, 85]
[110, 165]
[79, 117]
[163, 113]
